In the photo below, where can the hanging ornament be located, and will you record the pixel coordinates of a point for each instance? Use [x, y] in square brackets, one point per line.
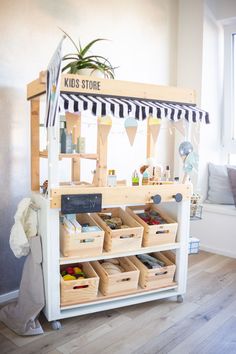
[105, 120]
[104, 124]
[191, 162]
[155, 125]
[189, 157]
[131, 126]
[185, 148]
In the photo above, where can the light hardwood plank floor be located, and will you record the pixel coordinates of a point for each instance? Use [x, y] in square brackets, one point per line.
[205, 323]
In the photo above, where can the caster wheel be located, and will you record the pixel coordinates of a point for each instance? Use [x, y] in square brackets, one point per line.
[56, 325]
[180, 299]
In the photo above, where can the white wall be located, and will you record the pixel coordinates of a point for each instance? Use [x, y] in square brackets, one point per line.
[189, 68]
[190, 37]
[142, 43]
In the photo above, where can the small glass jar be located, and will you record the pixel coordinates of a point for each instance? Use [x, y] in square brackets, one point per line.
[111, 178]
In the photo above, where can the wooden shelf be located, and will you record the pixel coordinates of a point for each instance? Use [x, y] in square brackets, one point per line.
[124, 195]
[128, 294]
[107, 255]
[44, 154]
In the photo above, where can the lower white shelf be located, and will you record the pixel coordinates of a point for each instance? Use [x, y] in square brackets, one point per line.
[115, 302]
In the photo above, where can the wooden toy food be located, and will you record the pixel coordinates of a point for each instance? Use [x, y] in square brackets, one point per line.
[73, 273]
[112, 266]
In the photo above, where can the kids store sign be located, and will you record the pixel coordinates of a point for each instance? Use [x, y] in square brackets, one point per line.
[80, 83]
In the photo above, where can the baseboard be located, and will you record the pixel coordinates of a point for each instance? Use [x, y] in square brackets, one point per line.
[9, 296]
[217, 251]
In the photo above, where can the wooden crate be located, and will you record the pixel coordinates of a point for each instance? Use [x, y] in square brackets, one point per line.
[122, 239]
[117, 283]
[155, 234]
[158, 277]
[84, 244]
[79, 290]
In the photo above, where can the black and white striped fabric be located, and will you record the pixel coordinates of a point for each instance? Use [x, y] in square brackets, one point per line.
[124, 107]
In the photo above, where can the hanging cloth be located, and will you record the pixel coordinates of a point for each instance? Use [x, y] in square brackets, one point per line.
[22, 315]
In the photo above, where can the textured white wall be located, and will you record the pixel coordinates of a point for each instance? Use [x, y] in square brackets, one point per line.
[143, 45]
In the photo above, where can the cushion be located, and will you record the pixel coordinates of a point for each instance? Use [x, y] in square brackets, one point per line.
[219, 188]
[232, 180]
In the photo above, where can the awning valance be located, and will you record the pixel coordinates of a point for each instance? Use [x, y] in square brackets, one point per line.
[124, 107]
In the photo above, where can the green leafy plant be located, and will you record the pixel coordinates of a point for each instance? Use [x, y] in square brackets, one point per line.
[82, 60]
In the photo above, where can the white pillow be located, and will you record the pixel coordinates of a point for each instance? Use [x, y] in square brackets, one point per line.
[219, 189]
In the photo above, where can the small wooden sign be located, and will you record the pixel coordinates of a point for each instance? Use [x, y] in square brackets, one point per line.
[81, 203]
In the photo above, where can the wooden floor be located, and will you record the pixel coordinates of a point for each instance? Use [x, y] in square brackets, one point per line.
[204, 323]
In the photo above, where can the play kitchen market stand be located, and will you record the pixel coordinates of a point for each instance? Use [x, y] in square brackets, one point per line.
[137, 284]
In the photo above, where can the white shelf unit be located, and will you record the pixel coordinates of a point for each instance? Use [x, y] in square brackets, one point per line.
[49, 231]
[50, 211]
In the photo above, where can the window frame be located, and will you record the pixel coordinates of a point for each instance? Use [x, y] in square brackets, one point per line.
[229, 140]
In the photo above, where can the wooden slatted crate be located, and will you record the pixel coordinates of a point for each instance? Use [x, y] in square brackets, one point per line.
[79, 290]
[117, 283]
[84, 244]
[127, 239]
[157, 277]
[155, 234]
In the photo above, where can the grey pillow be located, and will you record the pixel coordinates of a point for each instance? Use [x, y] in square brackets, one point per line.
[219, 189]
[232, 180]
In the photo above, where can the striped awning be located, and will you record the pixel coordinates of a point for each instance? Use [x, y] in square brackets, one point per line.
[124, 107]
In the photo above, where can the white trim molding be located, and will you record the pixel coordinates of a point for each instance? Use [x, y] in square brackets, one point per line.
[9, 296]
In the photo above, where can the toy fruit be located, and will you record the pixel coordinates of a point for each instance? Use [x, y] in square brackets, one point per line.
[69, 277]
[70, 270]
[77, 270]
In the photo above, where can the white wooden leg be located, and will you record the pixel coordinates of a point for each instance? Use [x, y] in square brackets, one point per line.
[183, 216]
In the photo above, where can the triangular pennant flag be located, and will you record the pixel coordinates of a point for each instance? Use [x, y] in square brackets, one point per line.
[155, 125]
[131, 126]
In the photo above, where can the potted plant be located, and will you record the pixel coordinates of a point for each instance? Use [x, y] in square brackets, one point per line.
[81, 62]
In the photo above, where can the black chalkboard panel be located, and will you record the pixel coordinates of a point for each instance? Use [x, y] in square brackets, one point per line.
[81, 203]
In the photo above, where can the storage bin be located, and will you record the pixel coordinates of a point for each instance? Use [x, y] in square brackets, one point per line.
[127, 239]
[157, 277]
[154, 235]
[193, 245]
[79, 290]
[120, 282]
[83, 244]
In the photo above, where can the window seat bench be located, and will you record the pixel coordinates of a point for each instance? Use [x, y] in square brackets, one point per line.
[217, 229]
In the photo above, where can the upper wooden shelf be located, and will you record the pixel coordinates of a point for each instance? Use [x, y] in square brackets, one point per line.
[71, 83]
[44, 154]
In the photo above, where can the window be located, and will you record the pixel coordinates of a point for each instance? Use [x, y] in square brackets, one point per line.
[230, 88]
[234, 83]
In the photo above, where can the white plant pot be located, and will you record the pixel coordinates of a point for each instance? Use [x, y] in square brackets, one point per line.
[92, 72]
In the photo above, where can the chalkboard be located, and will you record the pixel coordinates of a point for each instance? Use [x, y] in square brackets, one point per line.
[81, 203]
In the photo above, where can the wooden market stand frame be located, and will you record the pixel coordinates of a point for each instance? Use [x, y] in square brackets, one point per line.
[120, 195]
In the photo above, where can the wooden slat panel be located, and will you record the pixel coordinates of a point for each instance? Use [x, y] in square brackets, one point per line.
[124, 195]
